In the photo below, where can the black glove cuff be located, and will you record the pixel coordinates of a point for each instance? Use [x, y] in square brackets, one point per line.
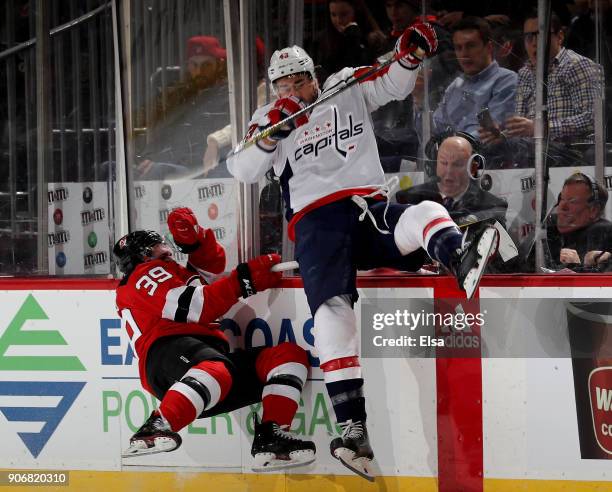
[187, 248]
[244, 279]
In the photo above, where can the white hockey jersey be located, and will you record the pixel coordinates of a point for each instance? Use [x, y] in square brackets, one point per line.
[334, 155]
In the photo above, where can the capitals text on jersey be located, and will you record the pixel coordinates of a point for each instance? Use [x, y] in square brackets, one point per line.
[330, 136]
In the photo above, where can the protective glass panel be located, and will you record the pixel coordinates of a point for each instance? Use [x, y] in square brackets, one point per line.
[59, 139]
[466, 136]
[178, 106]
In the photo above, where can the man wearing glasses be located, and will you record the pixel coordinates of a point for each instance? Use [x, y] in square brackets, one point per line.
[573, 83]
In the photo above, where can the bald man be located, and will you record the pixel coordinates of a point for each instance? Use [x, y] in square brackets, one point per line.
[454, 186]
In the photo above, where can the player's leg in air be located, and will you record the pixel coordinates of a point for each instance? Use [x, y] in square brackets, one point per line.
[428, 226]
[424, 227]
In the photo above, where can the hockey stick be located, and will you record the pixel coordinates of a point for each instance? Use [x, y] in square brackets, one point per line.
[283, 267]
[271, 130]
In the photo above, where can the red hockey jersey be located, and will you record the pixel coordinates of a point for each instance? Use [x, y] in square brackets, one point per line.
[162, 298]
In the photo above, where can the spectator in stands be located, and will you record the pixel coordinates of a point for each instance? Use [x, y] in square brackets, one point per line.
[394, 123]
[508, 12]
[185, 112]
[352, 37]
[581, 38]
[454, 185]
[578, 235]
[483, 82]
[573, 83]
[508, 47]
[219, 141]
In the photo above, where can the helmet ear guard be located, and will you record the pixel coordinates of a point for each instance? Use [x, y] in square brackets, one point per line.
[133, 248]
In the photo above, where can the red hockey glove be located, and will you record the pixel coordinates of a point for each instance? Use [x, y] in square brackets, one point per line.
[283, 108]
[185, 229]
[209, 255]
[256, 276]
[417, 41]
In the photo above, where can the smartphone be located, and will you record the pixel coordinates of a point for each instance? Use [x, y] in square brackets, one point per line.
[486, 121]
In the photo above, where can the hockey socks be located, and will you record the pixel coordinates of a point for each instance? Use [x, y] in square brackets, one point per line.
[201, 388]
[443, 243]
[284, 370]
[347, 399]
[345, 388]
[280, 400]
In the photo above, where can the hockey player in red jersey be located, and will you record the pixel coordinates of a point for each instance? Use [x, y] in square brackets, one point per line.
[169, 312]
[339, 214]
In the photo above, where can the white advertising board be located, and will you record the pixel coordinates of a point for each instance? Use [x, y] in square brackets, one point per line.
[70, 397]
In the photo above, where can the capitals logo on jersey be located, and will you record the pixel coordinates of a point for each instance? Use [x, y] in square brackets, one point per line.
[330, 136]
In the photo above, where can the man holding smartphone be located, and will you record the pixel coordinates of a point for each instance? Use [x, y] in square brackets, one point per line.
[573, 84]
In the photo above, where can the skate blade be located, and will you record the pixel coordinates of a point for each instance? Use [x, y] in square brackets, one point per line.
[140, 448]
[485, 249]
[270, 463]
[360, 466]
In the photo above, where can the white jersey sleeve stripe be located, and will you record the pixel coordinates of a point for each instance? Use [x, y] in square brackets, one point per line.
[184, 304]
[171, 305]
[196, 306]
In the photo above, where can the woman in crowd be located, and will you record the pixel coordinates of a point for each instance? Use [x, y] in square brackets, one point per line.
[351, 38]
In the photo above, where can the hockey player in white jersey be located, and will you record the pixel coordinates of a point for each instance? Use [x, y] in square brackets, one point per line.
[339, 214]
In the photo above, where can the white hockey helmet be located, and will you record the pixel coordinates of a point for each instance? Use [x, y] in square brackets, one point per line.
[290, 61]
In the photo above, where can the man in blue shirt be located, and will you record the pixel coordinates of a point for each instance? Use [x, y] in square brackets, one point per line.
[483, 82]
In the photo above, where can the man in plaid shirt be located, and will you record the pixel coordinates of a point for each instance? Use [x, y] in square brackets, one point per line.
[573, 83]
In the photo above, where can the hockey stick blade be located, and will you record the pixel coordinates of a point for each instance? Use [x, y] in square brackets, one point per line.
[271, 130]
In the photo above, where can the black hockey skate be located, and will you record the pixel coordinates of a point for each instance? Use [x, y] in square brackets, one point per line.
[275, 448]
[353, 448]
[155, 436]
[468, 263]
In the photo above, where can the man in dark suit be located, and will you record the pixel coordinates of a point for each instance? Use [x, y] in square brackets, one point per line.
[454, 186]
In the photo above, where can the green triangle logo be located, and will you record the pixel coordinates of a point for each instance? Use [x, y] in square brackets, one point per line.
[14, 335]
